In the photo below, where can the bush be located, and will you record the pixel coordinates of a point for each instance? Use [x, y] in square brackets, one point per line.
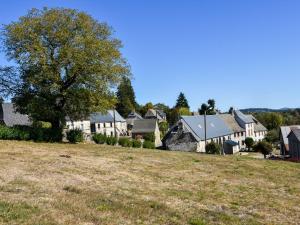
[125, 142]
[75, 136]
[149, 137]
[264, 147]
[111, 140]
[249, 142]
[149, 144]
[136, 143]
[14, 133]
[99, 138]
[212, 148]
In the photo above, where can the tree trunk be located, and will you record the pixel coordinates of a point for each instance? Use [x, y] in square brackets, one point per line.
[265, 156]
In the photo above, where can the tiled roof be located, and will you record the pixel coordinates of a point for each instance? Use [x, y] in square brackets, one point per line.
[231, 122]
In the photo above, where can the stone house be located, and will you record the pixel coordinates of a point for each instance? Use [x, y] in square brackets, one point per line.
[188, 134]
[156, 114]
[146, 126]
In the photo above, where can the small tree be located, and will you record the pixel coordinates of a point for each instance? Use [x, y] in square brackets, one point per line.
[249, 142]
[264, 147]
[182, 102]
[272, 136]
[75, 136]
[163, 128]
[213, 148]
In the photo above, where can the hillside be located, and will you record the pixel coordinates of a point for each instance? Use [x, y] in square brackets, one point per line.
[41, 184]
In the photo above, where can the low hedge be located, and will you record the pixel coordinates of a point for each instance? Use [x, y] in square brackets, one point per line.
[111, 140]
[75, 136]
[99, 138]
[136, 143]
[125, 142]
[149, 144]
[14, 133]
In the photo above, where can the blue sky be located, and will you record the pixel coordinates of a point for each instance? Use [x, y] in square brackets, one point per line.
[241, 53]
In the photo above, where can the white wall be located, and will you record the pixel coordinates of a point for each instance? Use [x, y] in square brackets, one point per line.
[83, 125]
[108, 128]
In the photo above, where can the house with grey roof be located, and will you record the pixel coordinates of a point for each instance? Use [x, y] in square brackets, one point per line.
[294, 143]
[146, 126]
[104, 123]
[156, 114]
[10, 118]
[283, 137]
[131, 118]
[188, 134]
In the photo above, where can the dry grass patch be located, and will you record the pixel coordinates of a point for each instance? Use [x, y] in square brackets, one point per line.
[111, 185]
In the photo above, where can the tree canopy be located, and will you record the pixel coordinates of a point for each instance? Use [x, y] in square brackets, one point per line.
[210, 107]
[125, 97]
[67, 63]
[181, 101]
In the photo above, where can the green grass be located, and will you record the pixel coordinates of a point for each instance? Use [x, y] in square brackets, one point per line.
[102, 184]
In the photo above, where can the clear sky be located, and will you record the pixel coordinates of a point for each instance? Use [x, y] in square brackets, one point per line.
[241, 53]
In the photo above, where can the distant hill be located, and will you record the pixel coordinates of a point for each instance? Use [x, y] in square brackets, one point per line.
[256, 110]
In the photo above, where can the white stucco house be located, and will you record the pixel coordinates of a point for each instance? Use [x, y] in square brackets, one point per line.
[104, 123]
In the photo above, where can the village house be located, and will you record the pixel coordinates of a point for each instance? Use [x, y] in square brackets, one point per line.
[156, 114]
[104, 123]
[294, 144]
[146, 126]
[283, 137]
[9, 117]
[189, 132]
[130, 120]
[84, 125]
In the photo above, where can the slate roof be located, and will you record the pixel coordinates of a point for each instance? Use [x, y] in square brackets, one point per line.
[285, 130]
[144, 126]
[231, 122]
[215, 126]
[10, 117]
[257, 125]
[152, 113]
[296, 132]
[243, 117]
[99, 117]
[134, 115]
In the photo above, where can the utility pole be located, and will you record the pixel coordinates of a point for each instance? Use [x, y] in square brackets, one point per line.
[205, 127]
[115, 130]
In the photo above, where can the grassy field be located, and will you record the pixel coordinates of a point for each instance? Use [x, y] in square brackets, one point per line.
[41, 185]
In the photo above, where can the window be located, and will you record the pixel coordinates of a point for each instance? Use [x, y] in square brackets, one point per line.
[111, 133]
[104, 125]
[234, 134]
[111, 124]
[98, 125]
[243, 142]
[81, 126]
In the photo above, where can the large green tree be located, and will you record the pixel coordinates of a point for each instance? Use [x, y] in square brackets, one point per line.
[67, 64]
[181, 101]
[126, 98]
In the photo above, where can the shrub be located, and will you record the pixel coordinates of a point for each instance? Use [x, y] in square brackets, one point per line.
[212, 148]
[249, 142]
[264, 147]
[111, 140]
[14, 133]
[136, 143]
[75, 136]
[149, 137]
[99, 138]
[149, 144]
[125, 142]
